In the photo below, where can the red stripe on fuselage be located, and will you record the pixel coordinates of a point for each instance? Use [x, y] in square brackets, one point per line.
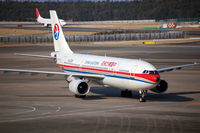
[151, 77]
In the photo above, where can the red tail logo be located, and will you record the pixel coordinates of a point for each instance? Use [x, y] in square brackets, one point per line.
[56, 31]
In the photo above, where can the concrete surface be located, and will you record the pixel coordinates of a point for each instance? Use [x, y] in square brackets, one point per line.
[38, 104]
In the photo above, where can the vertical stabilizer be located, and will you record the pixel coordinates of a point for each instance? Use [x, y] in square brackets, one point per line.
[37, 13]
[38, 17]
[59, 41]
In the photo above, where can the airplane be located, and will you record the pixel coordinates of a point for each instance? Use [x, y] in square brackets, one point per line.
[46, 21]
[79, 69]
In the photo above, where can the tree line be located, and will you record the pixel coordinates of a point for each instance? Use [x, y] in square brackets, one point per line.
[98, 11]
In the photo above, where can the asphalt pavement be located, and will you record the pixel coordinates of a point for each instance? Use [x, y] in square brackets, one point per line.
[44, 104]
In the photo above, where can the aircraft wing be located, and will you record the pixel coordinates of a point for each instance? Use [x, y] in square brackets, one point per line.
[160, 70]
[49, 73]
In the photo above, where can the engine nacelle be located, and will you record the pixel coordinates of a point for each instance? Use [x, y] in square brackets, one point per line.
[161, 87]
[79, 87]
[53, 54]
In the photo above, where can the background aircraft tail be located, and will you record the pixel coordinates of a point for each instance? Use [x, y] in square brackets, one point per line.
[39, 18]
[60, 44]
[37, 13]
[42, 20]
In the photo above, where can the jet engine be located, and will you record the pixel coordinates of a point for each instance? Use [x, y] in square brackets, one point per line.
[161, 87]
[79, 87]
[53, 54]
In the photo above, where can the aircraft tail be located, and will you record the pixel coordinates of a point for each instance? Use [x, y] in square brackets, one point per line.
[37, 13]
[42, 20]
[38, 17]
[60, 44]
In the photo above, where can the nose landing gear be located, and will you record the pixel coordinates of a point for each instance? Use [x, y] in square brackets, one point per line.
[142, 95]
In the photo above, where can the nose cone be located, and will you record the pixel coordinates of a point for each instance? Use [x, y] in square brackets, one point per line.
[157, 78]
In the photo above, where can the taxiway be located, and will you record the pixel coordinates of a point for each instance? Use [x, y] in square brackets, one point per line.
[44, 104]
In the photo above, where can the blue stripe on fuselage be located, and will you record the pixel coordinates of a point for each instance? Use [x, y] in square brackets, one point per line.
[107, 75]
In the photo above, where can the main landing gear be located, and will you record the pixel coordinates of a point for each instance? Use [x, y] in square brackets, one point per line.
[126, 93]
[142, 95]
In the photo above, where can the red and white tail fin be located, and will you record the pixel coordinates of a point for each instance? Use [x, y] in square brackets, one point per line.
[60, 44]
[39, 18]
[42, 20]
[37, 13]
[46, 21]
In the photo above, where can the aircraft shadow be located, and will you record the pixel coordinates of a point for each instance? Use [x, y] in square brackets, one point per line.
[38, 95]
[89, 97]
[171, 97]
[165, 97]
[104, 92]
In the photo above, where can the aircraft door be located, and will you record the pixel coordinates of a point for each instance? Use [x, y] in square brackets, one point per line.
[114, 71]
[133, 71]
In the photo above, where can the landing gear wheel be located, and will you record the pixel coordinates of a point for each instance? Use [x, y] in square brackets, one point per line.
[142, 95]
[142, 99]
[126, 93]
[80, 96]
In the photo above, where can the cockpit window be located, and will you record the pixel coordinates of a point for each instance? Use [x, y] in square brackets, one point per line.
[150, 72]
[145, 71]
[156, 72]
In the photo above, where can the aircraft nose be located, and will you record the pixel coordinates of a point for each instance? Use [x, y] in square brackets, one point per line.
[157, 79]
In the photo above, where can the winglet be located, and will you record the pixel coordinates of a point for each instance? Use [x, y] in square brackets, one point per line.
[37, 13]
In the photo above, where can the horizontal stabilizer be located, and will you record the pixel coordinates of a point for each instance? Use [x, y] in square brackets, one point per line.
[33, 55]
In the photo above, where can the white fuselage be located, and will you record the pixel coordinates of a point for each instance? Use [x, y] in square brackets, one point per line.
[118, 72]
[47, 21]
